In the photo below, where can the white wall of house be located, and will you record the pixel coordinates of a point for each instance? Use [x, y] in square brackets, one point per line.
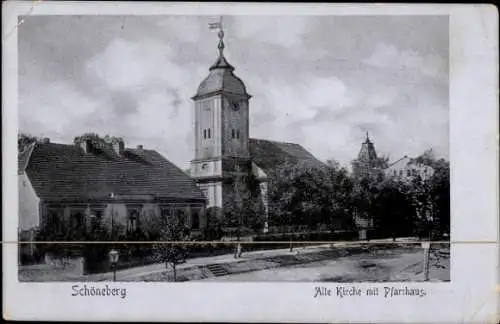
[117, 213]
[29, 204]
[213, 193]
[406, 170]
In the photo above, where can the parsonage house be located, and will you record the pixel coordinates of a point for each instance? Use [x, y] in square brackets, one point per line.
[64, 185]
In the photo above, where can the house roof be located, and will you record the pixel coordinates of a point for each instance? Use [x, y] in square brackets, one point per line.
[268, 155]
[59, 171]
[405, 160]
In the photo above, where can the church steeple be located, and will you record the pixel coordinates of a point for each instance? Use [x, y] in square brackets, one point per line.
[221, 130]
[367, 152]
[367, 162]
[221, 77]
[221, 62]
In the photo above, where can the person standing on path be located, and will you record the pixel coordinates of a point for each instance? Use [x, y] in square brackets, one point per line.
[239, 250]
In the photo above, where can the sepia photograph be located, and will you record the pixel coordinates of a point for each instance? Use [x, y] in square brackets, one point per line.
[209, 150]
[244, 162]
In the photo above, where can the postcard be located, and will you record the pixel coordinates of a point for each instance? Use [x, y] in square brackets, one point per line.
[236, 162]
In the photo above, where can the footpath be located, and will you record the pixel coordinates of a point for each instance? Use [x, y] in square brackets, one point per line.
[226, 259]
[215, 266]
[210, 267]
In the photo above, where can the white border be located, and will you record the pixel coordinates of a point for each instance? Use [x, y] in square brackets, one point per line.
[472, 295]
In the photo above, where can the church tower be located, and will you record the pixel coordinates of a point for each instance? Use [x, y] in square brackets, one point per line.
[221, 131]
[367, 161]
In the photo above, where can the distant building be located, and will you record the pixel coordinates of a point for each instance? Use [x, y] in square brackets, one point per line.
[65, 185]
[225, 156]
[408, 168]
[405, 168]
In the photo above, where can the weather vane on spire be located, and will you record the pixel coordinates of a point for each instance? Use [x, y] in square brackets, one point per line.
[218, 25]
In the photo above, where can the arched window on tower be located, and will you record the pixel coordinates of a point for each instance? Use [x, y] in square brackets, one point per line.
[209, 133]
[238, 133]
[233, 133]
[204, 133]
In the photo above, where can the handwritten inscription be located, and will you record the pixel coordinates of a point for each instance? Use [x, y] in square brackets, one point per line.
[353, 291]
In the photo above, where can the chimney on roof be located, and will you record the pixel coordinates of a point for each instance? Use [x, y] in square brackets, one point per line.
[118, 146]
[45, 140]
[140, 147]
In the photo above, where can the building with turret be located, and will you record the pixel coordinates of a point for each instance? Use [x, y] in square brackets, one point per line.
[405, 168]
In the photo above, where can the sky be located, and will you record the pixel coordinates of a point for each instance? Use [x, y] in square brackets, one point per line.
[319, 81]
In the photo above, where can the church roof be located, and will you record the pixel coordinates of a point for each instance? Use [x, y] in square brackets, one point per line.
[221, 77]
[60, 172]
[268, 155]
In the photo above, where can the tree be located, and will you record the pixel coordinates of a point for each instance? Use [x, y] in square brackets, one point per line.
[23, 140]
[440, 193]
[166, 231]
[436, 201]
[213, 226]
[393, 213]
[311, 195]
[338, 202]
[296, 192]
[333, 164]
[243, 208]
[365, 198]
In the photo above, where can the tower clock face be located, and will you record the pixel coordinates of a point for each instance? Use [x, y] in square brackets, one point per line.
[235, 106]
